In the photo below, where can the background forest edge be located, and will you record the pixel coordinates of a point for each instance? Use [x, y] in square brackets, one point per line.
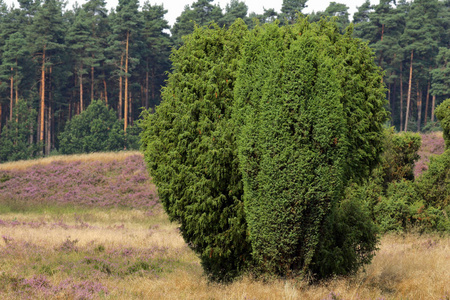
[59, 60]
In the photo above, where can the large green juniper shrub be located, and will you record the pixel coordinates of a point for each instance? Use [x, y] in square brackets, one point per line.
[95, 129]
[310, 102]
[285, 116]
[189, 146]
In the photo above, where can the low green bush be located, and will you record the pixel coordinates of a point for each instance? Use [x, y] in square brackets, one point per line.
[97, 129]
[398, 158]
[443, 115]
[393, 212]
[434, 184]
[348, 239]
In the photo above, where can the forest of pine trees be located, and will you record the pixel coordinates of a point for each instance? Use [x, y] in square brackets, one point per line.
[58, 60]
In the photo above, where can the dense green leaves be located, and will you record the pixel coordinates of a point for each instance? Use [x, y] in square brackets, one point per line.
[311, 104]
[269, 141]
[95, 129]
[14, 139]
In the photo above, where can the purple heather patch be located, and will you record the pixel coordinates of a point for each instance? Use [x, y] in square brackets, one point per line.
[92, 184]
[432, 144]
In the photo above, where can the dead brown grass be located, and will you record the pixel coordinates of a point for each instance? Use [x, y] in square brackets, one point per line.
[98, 156]
[407, 266]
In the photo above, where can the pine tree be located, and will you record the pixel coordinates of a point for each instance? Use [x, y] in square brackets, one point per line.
[15, 136]
[156, 51]
[78, 39]
[46, 36]
[234, 10]
[420, 41]
[290, 9]
[97, 18]
[125, 29]
[200, 13]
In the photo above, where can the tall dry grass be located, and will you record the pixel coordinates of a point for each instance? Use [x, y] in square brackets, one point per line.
[98, 156]
[407, 266]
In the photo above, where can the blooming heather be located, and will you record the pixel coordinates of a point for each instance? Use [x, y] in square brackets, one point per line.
[101, 184]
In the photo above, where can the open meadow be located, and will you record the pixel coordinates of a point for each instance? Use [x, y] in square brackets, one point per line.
[91, 227]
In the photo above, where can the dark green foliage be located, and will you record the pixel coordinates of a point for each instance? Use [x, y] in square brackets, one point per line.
[311, 104]
[393, 212]
[348, 239]
[95, 129]
[403, 209]
[15, 137]
[199, 13]
[399, 156]
[189, 146]
[443, 115]
[434, 185]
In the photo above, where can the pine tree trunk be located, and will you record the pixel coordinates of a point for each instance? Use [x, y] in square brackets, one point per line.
[125, 123]
[153, 86]
[49, 132]
[401, 98]
[50, 138]
[130, 107]
[394, 88]
[106, 91]
[17, 87]
[81, 88]
[389, 96]
[11, 96]
[92, 81]
[42, 108]
[408, 99]
[146, 88]
[31, 139]
[1, 117]
[419, 107]
[433, 103]
[120, 89]
[427, 103]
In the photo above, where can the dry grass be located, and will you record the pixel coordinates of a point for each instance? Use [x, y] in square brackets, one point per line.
[99, 156]
[406, 267]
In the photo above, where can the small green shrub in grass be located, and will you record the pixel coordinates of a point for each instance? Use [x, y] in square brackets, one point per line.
[393, 212]
[347, 241]
[398, 158]
[96, 129]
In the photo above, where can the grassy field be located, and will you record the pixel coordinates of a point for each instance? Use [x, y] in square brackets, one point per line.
[91, 227]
